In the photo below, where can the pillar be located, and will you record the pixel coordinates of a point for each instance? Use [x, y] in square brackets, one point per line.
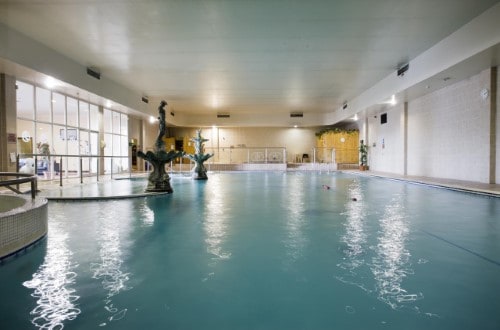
[8, 127]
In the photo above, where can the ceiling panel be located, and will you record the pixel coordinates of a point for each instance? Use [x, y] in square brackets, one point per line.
[269, 55]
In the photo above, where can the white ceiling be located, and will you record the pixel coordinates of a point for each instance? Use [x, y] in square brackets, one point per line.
[242, 56]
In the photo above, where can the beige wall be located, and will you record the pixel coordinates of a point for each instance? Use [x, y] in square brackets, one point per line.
[448, 134]
[297, 141]
[386, 141]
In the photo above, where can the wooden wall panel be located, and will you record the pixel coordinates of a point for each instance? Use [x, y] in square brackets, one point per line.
[346, 145]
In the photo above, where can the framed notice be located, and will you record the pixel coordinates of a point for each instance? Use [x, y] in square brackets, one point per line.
[11, 138]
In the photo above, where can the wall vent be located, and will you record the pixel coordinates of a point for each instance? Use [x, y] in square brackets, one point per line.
[403, 69]
[296, 115]
[94, 73]
[223, 115]
[145, 99]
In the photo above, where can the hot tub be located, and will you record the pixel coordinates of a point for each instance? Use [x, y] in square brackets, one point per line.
[23, 222]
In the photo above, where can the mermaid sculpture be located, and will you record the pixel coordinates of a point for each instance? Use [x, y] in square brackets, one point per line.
[159, 180]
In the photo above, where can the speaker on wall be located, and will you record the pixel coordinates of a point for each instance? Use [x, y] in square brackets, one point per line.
[383, 118]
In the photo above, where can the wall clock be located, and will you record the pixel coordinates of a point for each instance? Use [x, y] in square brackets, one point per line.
[485, 93]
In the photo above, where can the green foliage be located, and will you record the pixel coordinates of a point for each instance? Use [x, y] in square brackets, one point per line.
[363, 152]
[336, 130]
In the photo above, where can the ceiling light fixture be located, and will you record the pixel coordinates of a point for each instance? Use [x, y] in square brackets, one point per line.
[50, 82]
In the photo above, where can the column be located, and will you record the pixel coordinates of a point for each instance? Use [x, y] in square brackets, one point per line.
[8, 123]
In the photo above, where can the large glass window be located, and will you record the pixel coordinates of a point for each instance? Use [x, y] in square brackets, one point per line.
[43, 105]
[84, 114]
[123, 124]
[116, 122]
[108, 121]
[59, 108]
[94, 118]
[94, 143]
[72, 112]
[49, 122]
[25, 133]
[25, 101]
[59, 139]
[43, 135]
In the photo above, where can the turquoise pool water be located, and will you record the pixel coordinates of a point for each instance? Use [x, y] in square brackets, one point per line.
[264, 251]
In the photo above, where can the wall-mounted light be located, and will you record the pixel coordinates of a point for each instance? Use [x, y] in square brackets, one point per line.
[50, 82]
[393, 100]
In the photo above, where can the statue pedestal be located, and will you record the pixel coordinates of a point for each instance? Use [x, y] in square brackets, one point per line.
[200, 172]
[160, 185]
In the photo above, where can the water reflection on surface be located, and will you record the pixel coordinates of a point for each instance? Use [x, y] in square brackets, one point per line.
[391, 263]
[355, 239]
[147, 215]
[381, 254]
[215, 225]
[295, 240]
[53, 283]
[109, 269]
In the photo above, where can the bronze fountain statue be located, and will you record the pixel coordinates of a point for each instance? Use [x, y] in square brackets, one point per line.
[199, 157]
[159, 180]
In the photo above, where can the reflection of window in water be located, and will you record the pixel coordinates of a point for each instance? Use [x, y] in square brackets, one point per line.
[391, 264]
[52, 284]
[354, 242]
[109, 268]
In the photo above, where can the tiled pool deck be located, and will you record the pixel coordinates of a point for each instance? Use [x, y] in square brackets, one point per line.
[467, 186]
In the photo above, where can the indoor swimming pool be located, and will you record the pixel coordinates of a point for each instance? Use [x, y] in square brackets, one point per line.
[263, 250]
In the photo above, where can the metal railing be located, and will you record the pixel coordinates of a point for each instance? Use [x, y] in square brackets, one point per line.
[323, 155]
[58, 166]
[239, 155]
[62, 166]
[19, 178]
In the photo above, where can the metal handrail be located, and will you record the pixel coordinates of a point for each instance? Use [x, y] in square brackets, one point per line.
[79, 158]
[248, 154]
[24, 178]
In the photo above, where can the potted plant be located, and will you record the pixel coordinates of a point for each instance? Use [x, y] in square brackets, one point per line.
[363, 156]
